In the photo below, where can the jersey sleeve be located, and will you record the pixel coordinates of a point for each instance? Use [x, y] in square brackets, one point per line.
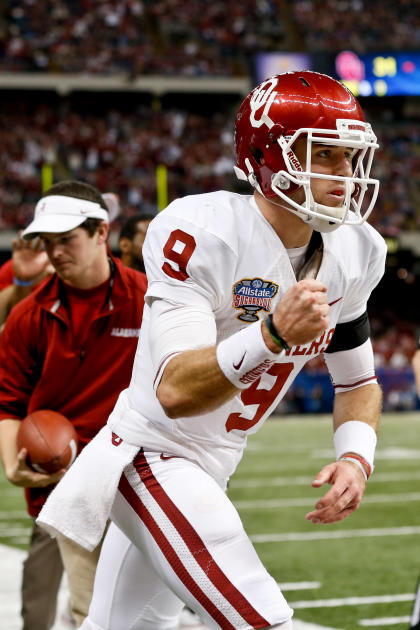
[187, 264]
[367, 266]
[6, 274]
[18, 367]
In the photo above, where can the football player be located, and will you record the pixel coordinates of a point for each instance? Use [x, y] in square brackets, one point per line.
[243, 291]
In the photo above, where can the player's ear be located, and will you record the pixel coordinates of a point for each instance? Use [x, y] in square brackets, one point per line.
[103, 231]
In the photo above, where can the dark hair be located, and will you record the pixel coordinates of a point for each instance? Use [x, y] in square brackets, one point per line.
[75, 188]
[80, 190]
[129, 228]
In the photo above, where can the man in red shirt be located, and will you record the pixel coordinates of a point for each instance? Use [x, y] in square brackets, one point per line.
[69, 346]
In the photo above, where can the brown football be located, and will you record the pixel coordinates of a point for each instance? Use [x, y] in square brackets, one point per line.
[50, 439]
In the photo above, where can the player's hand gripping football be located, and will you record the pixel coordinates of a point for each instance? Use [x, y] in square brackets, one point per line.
[302, 313]
[344, 496]
[22, 475]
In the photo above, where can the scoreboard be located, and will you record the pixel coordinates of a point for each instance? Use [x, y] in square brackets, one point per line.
[383, 74]
[377, 74]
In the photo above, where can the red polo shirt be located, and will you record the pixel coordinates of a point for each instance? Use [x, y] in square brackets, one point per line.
[46, 364]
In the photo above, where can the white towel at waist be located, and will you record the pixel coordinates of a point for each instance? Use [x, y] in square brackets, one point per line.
[79, 506]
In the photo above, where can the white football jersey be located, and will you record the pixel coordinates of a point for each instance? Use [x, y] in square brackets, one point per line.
[217, 252]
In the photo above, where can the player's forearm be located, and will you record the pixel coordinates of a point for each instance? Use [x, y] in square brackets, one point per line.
[362, 404]
[9, 297]
[8, 443]
[193, 383]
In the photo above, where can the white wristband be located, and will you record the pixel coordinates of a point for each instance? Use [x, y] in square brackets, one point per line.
[355, 437]
[244, 356]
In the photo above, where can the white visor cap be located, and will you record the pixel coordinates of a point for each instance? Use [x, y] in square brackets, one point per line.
[59, 213]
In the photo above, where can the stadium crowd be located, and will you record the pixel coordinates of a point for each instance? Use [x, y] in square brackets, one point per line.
[125, 147]
[363, 25]
[177, 37]
[137, 36]
[122, 148]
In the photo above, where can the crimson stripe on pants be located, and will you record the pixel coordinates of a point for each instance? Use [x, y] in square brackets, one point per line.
[197, 546]
[170, 553]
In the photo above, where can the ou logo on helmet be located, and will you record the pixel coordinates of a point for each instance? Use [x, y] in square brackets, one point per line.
[263, 97]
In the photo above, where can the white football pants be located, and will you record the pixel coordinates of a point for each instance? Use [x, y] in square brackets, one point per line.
[182, 541]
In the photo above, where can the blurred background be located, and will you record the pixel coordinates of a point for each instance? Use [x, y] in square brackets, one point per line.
[138, 98]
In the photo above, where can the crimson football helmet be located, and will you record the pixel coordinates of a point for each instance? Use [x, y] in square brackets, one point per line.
[316, 107]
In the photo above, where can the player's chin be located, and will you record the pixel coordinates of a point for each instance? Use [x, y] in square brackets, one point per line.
[333, 201]
[66, 273]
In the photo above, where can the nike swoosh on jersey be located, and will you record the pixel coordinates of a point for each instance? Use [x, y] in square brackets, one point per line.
[334, 301]
[238, 365]
[165, 457]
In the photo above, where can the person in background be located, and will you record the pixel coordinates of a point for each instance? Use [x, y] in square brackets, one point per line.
[131, 240]
[415, 362]
[69, 347]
